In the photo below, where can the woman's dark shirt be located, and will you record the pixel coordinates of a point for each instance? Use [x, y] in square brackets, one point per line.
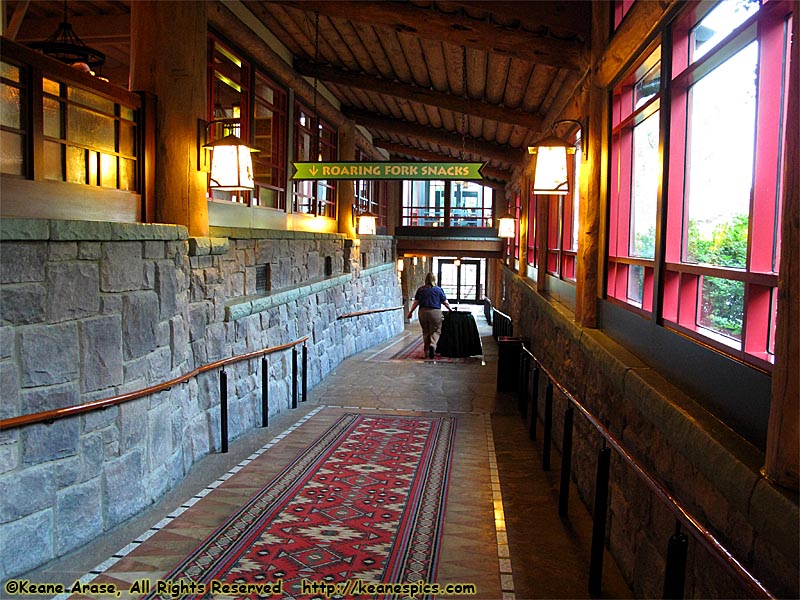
[430, 296]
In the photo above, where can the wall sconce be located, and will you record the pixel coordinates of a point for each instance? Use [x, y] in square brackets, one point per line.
[457, 262]
[227, 158]
[550, 176]
[414, 261]
[507, 226]
[367, 223]
[400, 265]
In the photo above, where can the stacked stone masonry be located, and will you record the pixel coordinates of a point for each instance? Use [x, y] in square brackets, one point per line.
[92, 310]
[713, 472]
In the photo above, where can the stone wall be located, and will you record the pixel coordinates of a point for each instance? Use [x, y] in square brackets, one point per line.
[709, 469]
[91, 310]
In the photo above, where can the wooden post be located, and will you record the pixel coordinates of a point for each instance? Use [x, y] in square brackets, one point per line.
[345, 189]
[782, 432]
[173, 67]
[588, 276]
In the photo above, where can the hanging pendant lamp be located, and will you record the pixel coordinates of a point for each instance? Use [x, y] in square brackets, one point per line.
[65, 45]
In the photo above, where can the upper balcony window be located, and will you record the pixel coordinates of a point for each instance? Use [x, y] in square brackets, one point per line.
[447, 204]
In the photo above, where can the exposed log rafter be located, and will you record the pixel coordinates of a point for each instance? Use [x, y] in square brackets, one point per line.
[453, 29]
[437, 136]
[415, 93]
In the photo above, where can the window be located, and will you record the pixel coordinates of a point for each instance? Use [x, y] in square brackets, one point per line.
[562, 224]
[12, 119]
[269, 137]
[470, 204]
[533, 206]
[371, 194]
[423, 204]
[315, 140]
[447, 204]
[730, 67]
[228, 98]
[722, 199]
[635, 176]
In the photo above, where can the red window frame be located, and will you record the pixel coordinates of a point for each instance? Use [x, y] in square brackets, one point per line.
[533, 236]
[683, 281]
[629, 279]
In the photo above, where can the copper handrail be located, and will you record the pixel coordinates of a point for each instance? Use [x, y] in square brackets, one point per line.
[49, 416]
[704, 536]
[368, 312]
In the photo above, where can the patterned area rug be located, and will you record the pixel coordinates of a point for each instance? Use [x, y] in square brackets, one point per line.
[365, 501]
[416, 351]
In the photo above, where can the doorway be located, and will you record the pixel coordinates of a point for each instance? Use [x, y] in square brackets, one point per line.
[461, 280]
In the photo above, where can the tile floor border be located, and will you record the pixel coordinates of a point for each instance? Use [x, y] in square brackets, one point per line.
[503, 552]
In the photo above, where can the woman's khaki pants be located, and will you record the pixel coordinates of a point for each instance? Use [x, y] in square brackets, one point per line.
[431, 321]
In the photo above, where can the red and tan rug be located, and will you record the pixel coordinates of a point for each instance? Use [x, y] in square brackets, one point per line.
[416, 351]
[364, 502]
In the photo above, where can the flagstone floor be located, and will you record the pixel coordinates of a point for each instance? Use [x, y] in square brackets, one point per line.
[501, 532]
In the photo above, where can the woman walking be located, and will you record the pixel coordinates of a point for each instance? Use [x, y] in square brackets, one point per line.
[430, 298]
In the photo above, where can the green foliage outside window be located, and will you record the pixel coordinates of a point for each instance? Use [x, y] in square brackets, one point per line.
[722, 304]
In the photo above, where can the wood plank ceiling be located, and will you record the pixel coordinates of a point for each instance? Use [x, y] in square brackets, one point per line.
[430, 80]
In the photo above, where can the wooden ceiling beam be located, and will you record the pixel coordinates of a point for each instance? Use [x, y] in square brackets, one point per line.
[556, 14]
[458, 30]
[642, 19]
[437, 136]
[402, 149]
[90, 28]
[415, 93]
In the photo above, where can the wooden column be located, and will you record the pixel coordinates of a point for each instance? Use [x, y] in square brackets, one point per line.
[592, 185]
[168, 59]
[591, 189]
[783, 432]
[345, 190]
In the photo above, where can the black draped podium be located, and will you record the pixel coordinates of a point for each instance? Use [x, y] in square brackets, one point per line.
[460, 337]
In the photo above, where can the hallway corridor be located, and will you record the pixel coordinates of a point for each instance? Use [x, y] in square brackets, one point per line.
[506, 539]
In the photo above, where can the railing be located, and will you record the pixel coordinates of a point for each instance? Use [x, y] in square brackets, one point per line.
[675, 569]
[501, 325]
[368, 312]
[50, 416]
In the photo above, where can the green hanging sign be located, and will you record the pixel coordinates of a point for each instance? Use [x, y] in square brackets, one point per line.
[459, 171]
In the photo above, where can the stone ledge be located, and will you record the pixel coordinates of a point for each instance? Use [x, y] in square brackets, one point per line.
[204, 246]
[251, 305]
[245, 233]
[12, 229]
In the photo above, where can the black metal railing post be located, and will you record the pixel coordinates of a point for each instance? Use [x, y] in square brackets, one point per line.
[305, 373]
[675, 569]
[223, 410]
[566, 462]
[522, 387]
[534, 410]
[548, 425]
[294, 376]
[264, 392]
[599, 521]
